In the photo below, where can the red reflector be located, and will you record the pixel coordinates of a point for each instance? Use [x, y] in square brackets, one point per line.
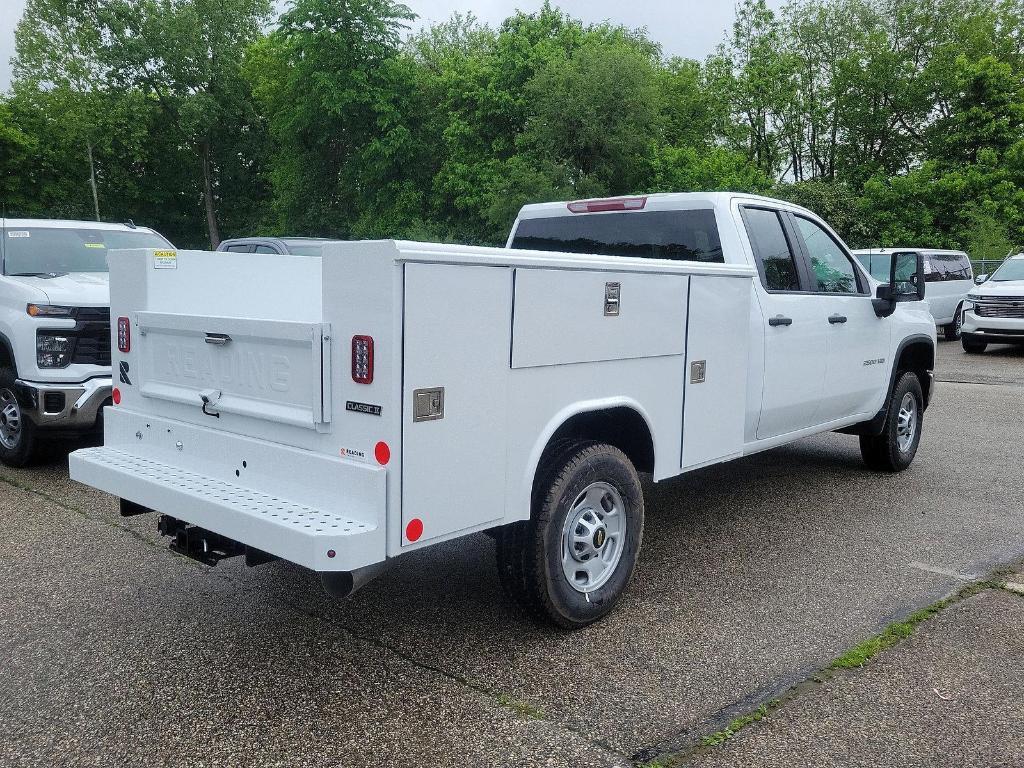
[116, 396]
[331, 553]
[615, 204]
[382, 452]
[362, 359]
[414, 529]
[124, 335]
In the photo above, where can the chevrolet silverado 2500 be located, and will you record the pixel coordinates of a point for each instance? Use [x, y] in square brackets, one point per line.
[55, 327]
[340, 411]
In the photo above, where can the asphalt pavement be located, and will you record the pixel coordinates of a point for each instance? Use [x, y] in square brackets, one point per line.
[753, 575]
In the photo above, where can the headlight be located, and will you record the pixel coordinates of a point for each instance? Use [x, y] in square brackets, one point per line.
[52, 350]
[974, 297]
[49, 310]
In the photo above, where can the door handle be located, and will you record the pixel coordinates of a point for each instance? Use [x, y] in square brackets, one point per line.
[778, 320]
[217, 339]
[837, 319]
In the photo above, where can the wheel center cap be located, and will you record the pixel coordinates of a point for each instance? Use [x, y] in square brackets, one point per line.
[600, 536]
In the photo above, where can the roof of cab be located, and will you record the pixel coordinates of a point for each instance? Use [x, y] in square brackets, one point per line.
[658, 201]
[71, 224]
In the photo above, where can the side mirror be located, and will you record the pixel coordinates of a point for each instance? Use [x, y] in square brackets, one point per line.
[980, 279]
[906, 283]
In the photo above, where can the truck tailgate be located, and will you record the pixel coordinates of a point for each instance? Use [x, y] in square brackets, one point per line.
[272, 370]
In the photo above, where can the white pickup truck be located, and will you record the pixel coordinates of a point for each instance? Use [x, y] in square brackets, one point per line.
[55, 327]
[340, 411]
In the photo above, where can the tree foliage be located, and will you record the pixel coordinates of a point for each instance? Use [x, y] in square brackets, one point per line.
[901, 121]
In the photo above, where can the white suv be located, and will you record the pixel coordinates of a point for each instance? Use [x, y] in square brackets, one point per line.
[948, 277]
[994, 310]
[55, 327]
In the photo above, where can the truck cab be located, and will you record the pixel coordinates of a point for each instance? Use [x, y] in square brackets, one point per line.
[55, 327]
[825, 351]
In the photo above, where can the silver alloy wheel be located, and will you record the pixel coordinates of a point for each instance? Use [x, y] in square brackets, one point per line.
[593, 537]
[10, 420]
[906, 425]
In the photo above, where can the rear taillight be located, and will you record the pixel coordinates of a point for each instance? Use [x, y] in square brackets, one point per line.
[614, 204]
[124, 335]
[362, 359]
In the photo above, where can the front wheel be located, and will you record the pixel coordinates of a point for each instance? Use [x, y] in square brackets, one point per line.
[570, 563]
[953, 331]
[895, 448]
[17, 432]
[972, 346]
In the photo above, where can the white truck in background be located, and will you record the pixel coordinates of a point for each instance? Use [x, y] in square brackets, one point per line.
[55, 328]
[340, 411]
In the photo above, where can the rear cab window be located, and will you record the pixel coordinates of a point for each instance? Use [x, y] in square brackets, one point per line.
[677, 235]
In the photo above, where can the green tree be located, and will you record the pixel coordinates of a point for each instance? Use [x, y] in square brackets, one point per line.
[186, 54]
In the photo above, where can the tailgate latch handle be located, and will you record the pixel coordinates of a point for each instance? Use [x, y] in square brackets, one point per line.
[219, 339]
[210, 398]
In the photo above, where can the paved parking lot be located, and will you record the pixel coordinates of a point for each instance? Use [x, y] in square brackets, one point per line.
[753, 575]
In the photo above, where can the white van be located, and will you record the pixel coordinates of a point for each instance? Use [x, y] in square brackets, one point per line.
[949, 277]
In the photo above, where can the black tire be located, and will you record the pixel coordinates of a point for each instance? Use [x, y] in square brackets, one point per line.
[530, 552]
[15, 450]
[883, 453]
[972, 346]
[952, 331]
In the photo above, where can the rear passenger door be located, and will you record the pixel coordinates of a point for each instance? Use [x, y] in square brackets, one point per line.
[795, 329]
[857, 339]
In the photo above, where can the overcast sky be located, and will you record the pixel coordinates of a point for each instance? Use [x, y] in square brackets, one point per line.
[690, 28]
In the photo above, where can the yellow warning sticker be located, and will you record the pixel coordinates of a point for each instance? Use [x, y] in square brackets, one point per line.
[165, 259]
[95, 245]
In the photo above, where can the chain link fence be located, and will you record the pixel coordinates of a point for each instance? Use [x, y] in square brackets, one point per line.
[986, 266]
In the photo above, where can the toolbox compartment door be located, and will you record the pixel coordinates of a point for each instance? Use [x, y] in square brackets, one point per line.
[271, 370]
[454, 433]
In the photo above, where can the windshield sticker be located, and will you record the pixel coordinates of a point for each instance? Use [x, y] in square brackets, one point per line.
[18, 233]
[165, 259]
[95, 245]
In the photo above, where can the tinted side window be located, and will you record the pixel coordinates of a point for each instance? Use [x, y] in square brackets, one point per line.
[832, 268]
[264, 249]
[947, 266]
[677, 235]
[775, 259]
[240, 248]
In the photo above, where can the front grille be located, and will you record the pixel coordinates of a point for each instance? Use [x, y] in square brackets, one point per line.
[92, 345]
[92, 336]
[1008, 307]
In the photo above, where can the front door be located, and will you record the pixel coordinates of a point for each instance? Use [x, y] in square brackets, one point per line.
[795, 338]
[858, 340]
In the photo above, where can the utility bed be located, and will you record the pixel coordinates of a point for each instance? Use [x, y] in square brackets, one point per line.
[238, 412]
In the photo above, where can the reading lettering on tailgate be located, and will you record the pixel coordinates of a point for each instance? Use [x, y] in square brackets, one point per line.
[238, 369]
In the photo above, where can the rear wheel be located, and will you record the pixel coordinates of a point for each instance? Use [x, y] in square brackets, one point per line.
[17, 432]
[953, 330]
[895, 448]
[972, 346]
[570, 563]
